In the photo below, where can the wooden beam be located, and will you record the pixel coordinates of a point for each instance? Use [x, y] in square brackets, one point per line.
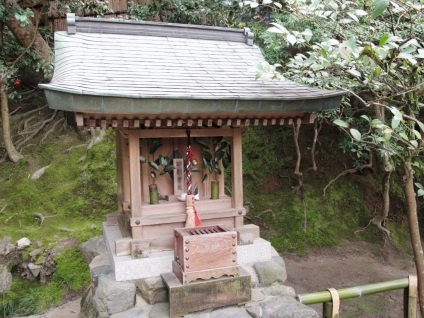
[181, 133]
[134, 168]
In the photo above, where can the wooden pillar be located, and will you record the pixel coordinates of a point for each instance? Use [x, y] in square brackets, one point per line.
[125, 161]
[119, 169]
[145, 172]
[134, 168]
[237, 174]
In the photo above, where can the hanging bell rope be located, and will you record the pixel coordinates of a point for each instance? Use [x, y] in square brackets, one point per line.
[192, 216]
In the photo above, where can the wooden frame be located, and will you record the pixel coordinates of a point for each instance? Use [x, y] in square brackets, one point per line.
[154, 224]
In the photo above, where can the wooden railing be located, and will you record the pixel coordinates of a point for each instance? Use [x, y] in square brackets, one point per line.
[331, 298]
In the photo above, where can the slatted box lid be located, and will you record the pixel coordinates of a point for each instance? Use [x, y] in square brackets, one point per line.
[207, 247]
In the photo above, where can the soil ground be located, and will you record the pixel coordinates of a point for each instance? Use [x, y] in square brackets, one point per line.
[350, 265]
[347, 265]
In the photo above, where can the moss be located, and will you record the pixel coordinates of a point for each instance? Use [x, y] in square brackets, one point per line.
[71, 269]
[293, 223]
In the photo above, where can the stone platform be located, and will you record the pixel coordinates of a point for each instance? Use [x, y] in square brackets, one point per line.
[150, 298]
[127, 268]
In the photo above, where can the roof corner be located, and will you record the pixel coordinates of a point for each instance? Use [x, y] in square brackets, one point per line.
[70, 23]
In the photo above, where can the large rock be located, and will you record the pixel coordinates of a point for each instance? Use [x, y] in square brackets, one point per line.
[112, 297]
[286, 307]
[279, 290]
[92, 248]
[232, 311]
[6, 246]
[271, 271]
[88, 310]
[5, 279]
[153, 290]
[100, 266]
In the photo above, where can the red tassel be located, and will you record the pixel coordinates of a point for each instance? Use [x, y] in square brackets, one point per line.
[197, 220]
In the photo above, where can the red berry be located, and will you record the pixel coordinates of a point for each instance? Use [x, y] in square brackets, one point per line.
[17, 82]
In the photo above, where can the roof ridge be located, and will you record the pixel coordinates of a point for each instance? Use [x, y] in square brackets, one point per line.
[161, 29]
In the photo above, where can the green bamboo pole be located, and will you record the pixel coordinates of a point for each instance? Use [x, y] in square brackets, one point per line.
[352, 292]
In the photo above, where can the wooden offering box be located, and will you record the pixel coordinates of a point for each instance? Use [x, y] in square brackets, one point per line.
[204, 253]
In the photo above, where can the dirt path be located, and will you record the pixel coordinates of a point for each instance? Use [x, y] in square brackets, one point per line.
[349, 265]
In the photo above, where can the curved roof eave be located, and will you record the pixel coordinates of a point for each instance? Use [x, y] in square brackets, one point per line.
[165, 107]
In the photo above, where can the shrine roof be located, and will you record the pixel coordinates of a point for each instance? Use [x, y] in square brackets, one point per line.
[106, 66]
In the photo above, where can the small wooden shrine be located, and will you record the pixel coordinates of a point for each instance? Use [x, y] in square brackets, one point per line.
[165, 88]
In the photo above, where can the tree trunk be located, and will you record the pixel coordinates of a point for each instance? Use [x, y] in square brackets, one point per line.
[12, 153]
[27, 35]
[414, 229]
[383, 213]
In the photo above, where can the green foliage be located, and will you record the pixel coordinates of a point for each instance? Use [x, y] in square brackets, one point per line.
[28, 298]
[212, 158]
[95, 8]
[76, 191]
[266, 152]
[72, 269]
[293, 226]
[206, 12]
[96, 190]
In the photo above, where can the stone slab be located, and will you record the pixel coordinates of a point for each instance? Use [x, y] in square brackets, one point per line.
[206, 294]
[127, 268]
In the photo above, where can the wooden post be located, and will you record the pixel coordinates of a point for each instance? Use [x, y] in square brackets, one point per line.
[327, 309]
[237, 169]
[134, 168]
[145, 173]
[119, 177]
[125, 171]
[410, 298]
[237, 174]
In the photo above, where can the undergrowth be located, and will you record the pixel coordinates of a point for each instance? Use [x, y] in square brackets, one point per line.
[74, 194]
[294, 222]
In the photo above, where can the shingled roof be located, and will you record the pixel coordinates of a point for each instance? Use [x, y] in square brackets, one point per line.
[150, 70]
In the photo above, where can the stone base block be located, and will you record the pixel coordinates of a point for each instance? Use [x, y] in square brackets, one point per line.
[127, 268]
[206, 294]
